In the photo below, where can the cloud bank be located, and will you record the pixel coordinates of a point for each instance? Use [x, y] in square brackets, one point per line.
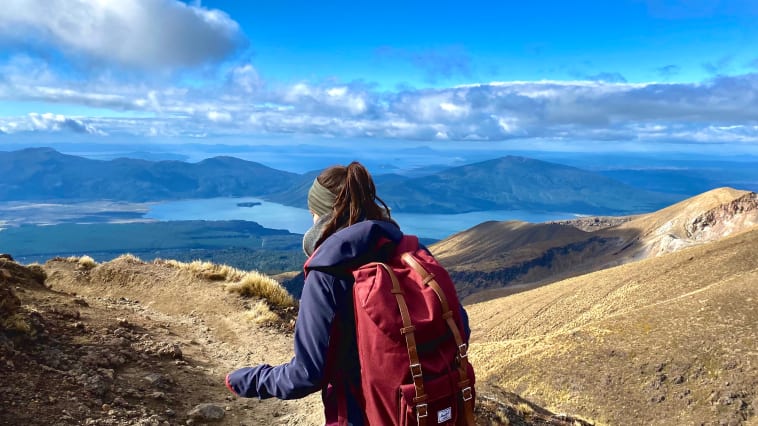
[723, 109]
[143, 34]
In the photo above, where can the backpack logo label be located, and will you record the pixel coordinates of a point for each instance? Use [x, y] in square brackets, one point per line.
[444, 415]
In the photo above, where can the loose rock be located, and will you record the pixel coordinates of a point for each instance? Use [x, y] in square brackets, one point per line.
[207, 412]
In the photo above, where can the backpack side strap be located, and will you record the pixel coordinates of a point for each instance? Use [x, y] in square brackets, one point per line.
[410, 341]
[464, 384]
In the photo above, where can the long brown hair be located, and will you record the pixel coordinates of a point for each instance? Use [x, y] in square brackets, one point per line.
[356, 198]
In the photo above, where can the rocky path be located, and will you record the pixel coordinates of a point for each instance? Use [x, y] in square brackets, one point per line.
[116, 360]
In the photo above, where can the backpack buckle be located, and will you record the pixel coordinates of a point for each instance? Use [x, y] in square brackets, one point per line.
[467, 395]
[421, 411]
[416, 371]
[463, 350]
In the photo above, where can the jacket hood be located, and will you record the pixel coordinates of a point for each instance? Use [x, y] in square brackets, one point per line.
[353, 244]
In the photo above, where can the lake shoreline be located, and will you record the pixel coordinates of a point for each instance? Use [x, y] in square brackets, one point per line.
[268, 214]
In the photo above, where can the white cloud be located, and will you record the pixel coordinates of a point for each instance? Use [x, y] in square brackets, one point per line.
[49, 122]
[719, 110]
[245, 78]
[145, 34]
[337, 91]
[219, 116]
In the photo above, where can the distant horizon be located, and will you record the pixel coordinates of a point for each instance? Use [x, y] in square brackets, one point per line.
[631, 76]
[682, 173]
[437, 155]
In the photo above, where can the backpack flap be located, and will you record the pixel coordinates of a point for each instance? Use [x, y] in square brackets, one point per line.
[444, 404]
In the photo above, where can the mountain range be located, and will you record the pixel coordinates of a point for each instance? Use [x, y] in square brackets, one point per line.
[508, 183]
[43, 174]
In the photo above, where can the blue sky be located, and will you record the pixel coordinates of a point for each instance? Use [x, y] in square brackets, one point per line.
[643, 74]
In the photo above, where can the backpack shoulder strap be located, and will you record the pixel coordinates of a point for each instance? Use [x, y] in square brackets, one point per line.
[447, 314]
[410, 339]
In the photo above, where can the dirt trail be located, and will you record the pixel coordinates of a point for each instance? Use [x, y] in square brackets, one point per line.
[144, 347]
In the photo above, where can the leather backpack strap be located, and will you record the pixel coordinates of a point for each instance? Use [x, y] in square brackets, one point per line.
[410, 340]
[447, 314]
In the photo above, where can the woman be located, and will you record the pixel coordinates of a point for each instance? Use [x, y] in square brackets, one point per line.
[348, 224]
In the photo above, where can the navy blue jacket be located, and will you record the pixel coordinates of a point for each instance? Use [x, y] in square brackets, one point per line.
[325, 351]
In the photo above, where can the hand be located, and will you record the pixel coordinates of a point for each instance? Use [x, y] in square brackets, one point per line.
[229, 385]
[242, 382]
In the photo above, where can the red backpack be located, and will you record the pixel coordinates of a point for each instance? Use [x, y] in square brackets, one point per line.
[410, 338]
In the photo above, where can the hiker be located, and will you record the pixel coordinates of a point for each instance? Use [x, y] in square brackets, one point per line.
[352, 227]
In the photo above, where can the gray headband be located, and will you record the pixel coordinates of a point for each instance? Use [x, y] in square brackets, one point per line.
[320, 199]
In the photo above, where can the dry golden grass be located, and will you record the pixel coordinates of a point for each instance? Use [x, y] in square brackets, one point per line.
[129, 258]
[244, 283]
[82, 262]
[261, 314]
[525, 409]
[86, 262]
[655, 341]
[207, 270]
[255, 284]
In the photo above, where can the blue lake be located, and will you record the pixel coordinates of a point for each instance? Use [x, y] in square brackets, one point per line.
[293, 219]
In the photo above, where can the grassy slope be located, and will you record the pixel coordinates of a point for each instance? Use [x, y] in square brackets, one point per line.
[668, 340]
[490, 244]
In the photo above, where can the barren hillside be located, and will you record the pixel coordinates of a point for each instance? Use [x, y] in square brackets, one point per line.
[667, 340]
[498, 258]
[707, 217]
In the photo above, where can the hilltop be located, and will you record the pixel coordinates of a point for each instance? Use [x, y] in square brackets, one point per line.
[497, 258]
[666, 340]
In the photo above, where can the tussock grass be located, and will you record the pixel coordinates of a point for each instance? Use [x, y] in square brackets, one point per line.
[261, 314]
[525, 409]
[244, 283]
[129, 258]
[503, 418]
[86, 262]
[83, 262]
[255, 284]
[206, 270]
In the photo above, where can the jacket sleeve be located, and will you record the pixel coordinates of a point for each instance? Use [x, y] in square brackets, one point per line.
[304, 373]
